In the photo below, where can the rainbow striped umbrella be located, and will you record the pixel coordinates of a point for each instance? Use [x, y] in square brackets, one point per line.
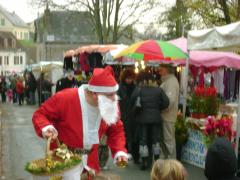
[153, 50]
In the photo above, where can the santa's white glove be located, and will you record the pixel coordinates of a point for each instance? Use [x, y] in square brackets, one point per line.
[49, 131]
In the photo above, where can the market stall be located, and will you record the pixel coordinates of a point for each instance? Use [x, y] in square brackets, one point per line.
[85, 58]
[219, 38]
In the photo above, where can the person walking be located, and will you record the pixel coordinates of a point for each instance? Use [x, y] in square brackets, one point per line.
[3, 89]
[170, 86]
[20, 90]
[152, 101]
[125, 93]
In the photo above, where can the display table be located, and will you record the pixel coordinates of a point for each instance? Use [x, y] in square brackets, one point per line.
[194, 151]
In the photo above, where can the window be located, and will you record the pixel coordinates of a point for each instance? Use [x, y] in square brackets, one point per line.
[16, 60]
[26, 35]
[5, 43]
[21, 60]
[21, 35]
[0, 60]
[6, 60]
[13, 43]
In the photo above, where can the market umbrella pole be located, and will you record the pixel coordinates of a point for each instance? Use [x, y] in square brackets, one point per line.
[185, 85]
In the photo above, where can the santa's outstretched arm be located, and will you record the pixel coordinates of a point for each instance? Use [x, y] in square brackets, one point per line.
[116, 140]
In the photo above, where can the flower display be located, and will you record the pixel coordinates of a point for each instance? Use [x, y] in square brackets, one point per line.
[218, 128]
[204, 102]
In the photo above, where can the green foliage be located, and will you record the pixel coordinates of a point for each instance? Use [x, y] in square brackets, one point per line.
[58, 167]
[177, 20]
[27, 43]
[181, 130]
[196, 104]
[214, 12]
[211, 106]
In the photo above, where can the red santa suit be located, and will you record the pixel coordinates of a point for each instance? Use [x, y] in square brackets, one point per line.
[67, 112]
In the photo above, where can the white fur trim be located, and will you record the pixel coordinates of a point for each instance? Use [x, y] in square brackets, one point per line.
[87, 144]
[103, 88]
[44, 130]
[118, 154]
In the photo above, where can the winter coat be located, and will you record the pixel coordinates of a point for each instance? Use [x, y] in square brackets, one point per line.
[19, 87]
[153, 101]
[170, 86]
[32, 84]
[64, 111]
[125, 93]
[64, 83]
[221, 161]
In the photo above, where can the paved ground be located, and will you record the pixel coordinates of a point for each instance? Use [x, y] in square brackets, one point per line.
[20, 145]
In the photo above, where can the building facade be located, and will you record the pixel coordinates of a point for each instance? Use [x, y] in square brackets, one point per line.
[11, 22]
[12, 56]
[58, 31]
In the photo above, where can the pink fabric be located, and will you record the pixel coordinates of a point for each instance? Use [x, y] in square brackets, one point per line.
[208, 58]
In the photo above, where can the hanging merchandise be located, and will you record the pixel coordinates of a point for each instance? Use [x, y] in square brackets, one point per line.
[95, 60]
[83, 61]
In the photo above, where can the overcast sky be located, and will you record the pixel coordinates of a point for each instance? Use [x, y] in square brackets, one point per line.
[24, 9]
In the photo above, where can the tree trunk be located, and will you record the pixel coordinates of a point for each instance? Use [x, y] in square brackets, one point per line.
[224, 5]
[238, 10]
[98, 21]
[115, 27]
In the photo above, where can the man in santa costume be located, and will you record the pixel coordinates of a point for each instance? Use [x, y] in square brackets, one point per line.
[80, 116]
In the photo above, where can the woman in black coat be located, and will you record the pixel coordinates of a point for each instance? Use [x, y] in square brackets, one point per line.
[125, 92]
[152, 100]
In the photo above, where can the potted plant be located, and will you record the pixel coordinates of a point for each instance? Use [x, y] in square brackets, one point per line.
[204, 102]
[211, 102]
[196, 102]
[181, 134]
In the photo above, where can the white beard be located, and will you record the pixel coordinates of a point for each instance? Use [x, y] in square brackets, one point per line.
[108, 109]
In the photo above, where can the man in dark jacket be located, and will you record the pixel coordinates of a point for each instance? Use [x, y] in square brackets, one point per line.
[66, 82]
[221, 161]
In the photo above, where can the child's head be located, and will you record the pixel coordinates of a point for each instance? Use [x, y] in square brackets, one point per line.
[168, 170]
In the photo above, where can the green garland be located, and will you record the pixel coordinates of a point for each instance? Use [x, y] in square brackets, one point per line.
[58, 168]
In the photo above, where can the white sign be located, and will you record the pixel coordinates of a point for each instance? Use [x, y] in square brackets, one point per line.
[194, 151]
[50, 38]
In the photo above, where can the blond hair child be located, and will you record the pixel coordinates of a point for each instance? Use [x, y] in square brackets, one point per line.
[169, 169]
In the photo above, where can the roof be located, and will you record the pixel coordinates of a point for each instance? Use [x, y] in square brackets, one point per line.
[66, 26]
[13, 18]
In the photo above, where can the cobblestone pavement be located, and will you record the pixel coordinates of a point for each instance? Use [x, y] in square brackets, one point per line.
[20, 145]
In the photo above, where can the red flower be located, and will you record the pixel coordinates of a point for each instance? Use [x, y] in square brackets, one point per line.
[219, 128]
[199, 91]
[211, 91]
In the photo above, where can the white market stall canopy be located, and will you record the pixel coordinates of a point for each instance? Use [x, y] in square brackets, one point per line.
[46, 66]
[224, 38]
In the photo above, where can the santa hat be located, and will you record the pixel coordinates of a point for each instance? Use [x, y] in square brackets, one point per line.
[103, 80]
